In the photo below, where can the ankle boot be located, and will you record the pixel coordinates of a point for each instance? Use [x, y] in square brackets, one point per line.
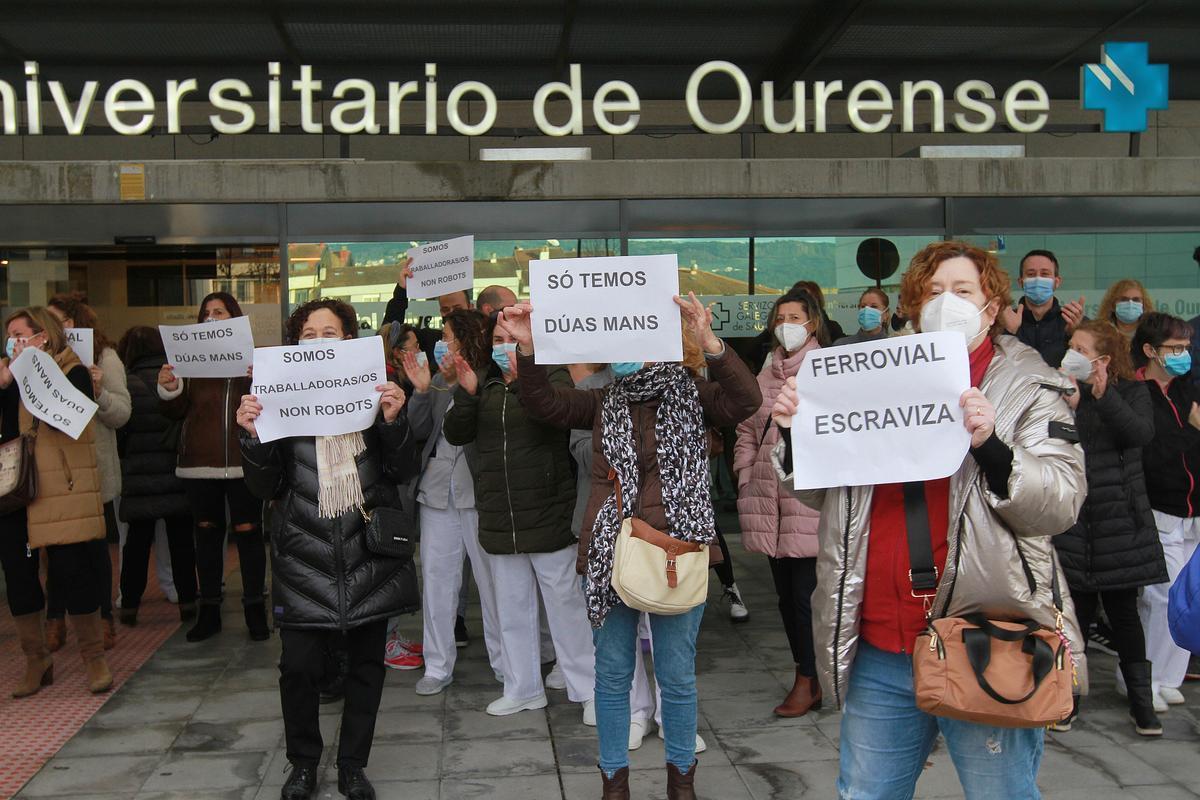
[187, 612]
[256, 621]
[616, 787]
[1141, 698]
[90, 633]
[208, 622]
[681, 785]
[39, 669]
[56, 634]
[805, 696]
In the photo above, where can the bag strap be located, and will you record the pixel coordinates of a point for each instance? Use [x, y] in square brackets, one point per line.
[978, 643]
[922, 572]
[612, 476]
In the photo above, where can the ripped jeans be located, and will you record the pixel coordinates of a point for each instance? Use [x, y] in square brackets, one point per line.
[886, 739]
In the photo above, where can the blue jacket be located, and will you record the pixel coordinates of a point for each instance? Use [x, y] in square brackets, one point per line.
[1183, 609]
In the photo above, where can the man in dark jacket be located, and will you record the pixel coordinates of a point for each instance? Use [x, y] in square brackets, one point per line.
[1038, 320]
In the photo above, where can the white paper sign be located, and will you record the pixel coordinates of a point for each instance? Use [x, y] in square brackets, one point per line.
[222, 349]
[604, 310]
[82, 342]
[442, 267]
[881, 412]
[48, 395]
[318, 390]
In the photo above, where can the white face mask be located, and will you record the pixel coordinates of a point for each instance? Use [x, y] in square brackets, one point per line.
[949, 312]
[1076, 365]
[325, 340]
[791, 335]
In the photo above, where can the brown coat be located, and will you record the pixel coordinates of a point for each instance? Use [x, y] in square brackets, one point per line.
[208, 444]
[68, 507]
[730, 397]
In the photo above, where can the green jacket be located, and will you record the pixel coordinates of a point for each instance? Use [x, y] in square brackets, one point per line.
[525, 484]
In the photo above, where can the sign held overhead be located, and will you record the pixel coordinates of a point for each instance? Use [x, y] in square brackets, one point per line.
[442, 267]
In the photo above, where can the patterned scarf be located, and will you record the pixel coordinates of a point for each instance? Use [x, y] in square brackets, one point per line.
[682, 467]
[337, 474]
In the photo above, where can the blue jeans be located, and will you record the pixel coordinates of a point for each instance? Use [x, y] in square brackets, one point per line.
[885, 740]
[674, 670]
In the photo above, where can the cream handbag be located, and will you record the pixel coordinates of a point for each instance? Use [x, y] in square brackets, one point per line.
[655, 572]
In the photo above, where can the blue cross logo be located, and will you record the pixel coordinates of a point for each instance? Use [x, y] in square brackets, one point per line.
[1124, 85]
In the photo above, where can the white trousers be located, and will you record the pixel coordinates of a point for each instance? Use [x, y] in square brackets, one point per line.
[1169, 661]
[446, 534]
[518, 578]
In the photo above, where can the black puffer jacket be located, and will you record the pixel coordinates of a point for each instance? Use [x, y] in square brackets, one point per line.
[322, 574]
[1114, 545]
[148, 444]
[525, 486]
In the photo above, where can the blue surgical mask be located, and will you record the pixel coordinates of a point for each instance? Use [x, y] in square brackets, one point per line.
[501, 354]
[1129, 311]
[440, 351]
[1039, 290]
[9, 347]
[1177, 365]
[869, 318]
[623, 368]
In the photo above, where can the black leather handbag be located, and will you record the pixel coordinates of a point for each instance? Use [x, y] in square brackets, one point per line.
[389, 533]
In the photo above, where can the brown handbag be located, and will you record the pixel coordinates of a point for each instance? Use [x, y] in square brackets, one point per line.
[1010, 674]
[18, 472]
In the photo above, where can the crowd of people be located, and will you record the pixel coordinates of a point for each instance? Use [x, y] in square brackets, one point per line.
[1078, 498]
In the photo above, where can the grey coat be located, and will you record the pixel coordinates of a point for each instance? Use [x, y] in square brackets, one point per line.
[426, 413]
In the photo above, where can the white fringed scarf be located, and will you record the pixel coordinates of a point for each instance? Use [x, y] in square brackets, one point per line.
[337, 474]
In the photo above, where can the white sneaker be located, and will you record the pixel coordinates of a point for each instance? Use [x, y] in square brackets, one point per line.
[589, 713]
[701, 745]
[1172, 697]
[503, 707]
[737, 609]
[637, 732]
[429, 686]
[555, 678]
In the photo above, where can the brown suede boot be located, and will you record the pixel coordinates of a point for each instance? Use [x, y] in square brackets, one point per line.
[39, 669]
[616, 787]
[805, 696]
[90, 633]
[680, 785]
[56, 634]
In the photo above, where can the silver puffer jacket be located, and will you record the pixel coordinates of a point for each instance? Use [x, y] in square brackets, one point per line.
[1000, 560]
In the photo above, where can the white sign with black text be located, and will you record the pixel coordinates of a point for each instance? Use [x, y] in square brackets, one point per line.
[221, 349]
[318, 389]
[605, 310]
[82, 342]
[881, 412]
[49, 395]
[442, 267]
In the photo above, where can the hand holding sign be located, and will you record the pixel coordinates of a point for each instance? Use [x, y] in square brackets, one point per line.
[167, 379]
[517, 322]
[698, 319]
[979, 416]
[391, 400]
[97, 379]
[248, 411]
[406, 272]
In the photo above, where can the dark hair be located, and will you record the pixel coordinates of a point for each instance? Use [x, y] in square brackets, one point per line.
[229, 301]
[876, 290]
[490, 296]
[344, 311]
[812, 288]
[1155, 328]
[75, 306]
[473, 332]
[1043, 254]
[139, 342]
[811, 307]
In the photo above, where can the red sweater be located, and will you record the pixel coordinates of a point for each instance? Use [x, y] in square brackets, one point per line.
[891, 617]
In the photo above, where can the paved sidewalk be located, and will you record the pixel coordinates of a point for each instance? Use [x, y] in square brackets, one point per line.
[202, 721]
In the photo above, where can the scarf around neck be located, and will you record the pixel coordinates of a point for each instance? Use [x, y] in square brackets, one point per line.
[682, 466]
[337, 474]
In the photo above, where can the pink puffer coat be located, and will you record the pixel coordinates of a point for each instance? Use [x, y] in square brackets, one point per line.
[773, 521]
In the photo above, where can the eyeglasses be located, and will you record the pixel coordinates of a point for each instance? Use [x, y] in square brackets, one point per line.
[1173, 349]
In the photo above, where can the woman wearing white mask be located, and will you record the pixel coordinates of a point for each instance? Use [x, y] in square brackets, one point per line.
[874, 317]
[773, 522]
[989, 527]
[1124, 304]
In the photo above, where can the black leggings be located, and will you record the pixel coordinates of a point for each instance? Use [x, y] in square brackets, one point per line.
[207, 499]
[1120, 605]
[70, 562]
[135, 561]
[100, 560]
[795, 580]
[724, 570]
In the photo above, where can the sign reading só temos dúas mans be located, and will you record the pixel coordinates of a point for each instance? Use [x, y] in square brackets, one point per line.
[442, 267]
[317, 389]
[49, 395]
[603, 310]
[222, 349]
[881, 412]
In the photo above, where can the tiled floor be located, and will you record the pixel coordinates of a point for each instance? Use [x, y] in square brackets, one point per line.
[202, 721]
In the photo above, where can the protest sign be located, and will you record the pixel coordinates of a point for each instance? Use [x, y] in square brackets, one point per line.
[442, 267]
[881, 412]
[222, 349]
[605, 310]
[81, 341]
[318, 390]
[49, 395]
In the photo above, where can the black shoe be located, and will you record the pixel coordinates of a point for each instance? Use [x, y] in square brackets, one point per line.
[1064, 725]
[208, 623]
[187, 612]
[128, 616]
[300, 784]
[1193, 669]
[353, 783]
[256, 621]
[1141, 698]
[1101, 639]
[461, 637]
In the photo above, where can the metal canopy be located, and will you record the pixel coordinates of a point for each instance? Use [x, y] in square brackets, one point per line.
[515, 47]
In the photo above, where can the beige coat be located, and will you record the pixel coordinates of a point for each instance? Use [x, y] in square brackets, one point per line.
[113, 413]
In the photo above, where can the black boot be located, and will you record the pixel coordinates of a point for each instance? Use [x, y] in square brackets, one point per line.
[300, 784]
[208, 623]
[1141, 698]
[256, 621]
[187, 612]
[353, 783]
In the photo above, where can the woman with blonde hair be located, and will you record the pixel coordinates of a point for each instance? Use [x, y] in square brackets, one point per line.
[1124, 304]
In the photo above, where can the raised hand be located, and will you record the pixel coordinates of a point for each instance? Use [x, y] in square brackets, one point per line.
[167, 379]
[1073, 313]
[516, 321]
[698, 318]
[391, 400]
[1099, 379]
[466, 376]
[979, 415]
[248, 411]
[417, 372]
[405, 273]
[1011, 317]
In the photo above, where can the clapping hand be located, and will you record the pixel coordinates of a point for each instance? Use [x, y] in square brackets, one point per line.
[467, 378]
[417, 372]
